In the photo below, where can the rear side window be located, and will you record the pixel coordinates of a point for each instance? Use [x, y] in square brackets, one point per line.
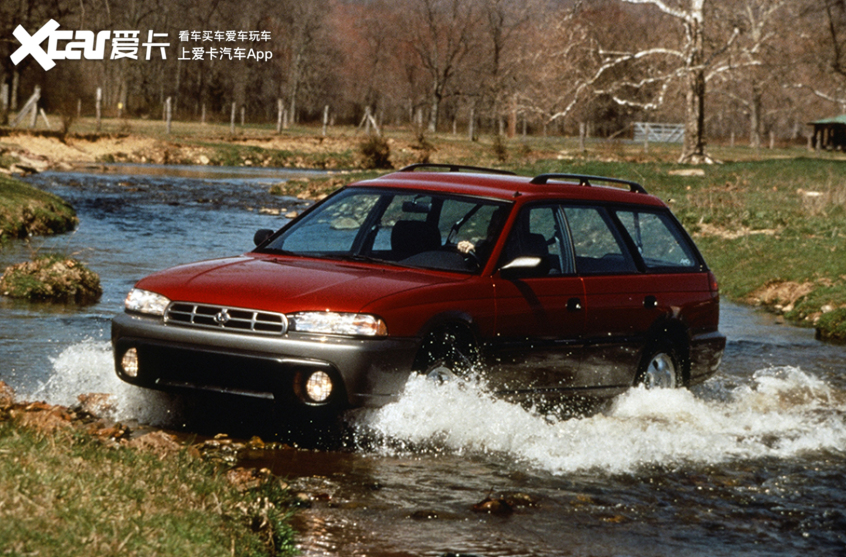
[596, 242]
[658, 240]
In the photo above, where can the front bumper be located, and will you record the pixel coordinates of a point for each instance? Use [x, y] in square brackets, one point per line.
[366, 372]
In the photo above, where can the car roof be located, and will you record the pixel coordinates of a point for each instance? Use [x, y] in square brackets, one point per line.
[508, 187]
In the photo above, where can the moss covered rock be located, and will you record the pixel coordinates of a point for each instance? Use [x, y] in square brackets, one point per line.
[25, 211]
[51, 277]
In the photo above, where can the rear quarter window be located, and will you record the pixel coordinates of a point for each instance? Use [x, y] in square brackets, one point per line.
[660, 242]
[598, 246]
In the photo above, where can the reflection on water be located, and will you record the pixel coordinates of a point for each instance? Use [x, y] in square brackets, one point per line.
[751, 462]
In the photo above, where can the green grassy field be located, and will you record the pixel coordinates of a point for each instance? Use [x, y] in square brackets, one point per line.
[66, 493]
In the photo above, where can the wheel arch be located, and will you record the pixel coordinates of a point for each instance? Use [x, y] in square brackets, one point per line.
[456, 322]
[676, 333]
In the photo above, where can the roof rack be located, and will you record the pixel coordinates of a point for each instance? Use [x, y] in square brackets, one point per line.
[454, 168]
[586, 180]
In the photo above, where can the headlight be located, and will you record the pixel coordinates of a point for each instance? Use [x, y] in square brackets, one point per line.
[143, 301]
[332, 323]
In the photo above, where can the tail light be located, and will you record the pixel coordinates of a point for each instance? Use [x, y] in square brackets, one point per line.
[712, 283]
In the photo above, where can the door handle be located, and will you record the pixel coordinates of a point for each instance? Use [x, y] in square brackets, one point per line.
[574, 304]
[650, 302]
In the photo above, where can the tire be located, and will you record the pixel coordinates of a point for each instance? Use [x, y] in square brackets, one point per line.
[447, 353]
[661, 367]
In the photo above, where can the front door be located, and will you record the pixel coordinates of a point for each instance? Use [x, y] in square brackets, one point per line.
[540, 315]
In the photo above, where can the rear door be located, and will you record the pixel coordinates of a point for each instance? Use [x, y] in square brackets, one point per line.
[617, 317]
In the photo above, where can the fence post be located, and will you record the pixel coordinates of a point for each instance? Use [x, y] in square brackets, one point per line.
[471, 126]
[34, 118]
[582, 133]
[367, 120]
[99, 107]
[325, 118]
[168, 113]
[279, 109]
[232, 120]
[203, 114]
[243, 114]
[4, 97]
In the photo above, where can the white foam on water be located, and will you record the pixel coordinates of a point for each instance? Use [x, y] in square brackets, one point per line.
[88, 367]
[783, 412]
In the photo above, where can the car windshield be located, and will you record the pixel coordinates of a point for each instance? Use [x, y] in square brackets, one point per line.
[414, 229]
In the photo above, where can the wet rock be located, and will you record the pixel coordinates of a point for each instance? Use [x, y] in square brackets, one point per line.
[159, 442]
[220, 449]
[424, 515]
[493, 505]
[43, 417]
[7, 396]
[244, 479]
[51, 277]
[97, 404]
[504, 503]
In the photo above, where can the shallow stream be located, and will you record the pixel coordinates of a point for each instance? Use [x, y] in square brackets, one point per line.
[753, 462]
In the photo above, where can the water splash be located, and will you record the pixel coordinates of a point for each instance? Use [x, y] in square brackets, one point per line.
[781, 413]
[88, 367]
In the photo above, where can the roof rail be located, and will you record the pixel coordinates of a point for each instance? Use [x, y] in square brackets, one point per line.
[454, 168]
[586, 180]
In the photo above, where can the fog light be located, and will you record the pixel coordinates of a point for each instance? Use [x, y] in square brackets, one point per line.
[318, 387]
[129, 363]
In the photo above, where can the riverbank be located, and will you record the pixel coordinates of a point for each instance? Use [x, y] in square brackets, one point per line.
[72, 483]
[771, 223]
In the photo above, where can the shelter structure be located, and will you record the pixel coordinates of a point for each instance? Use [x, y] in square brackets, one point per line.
[830, 133]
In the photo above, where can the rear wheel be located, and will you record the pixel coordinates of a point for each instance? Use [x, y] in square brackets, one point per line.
[661, 367]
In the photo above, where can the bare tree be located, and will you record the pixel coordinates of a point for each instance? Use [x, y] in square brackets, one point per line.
[659, 67]
[756, 61]
[441, 32]
[823, 52]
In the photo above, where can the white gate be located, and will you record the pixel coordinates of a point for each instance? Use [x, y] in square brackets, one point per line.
[658, 133]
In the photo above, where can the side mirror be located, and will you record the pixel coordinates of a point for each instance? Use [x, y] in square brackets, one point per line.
[262, 235]
[525, 266]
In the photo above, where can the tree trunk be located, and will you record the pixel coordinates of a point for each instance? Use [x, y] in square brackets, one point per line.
[755, 118]
[433, 115]
[693, 150]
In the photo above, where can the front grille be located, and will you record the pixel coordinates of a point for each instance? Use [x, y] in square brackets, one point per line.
[226, 319]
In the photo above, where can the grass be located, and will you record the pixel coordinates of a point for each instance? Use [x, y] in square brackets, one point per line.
[67, 494]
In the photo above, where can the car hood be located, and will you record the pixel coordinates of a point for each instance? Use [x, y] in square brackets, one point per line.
[286, 284]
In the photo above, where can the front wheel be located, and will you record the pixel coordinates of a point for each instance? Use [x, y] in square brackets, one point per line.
[660, 368]
[447, 353]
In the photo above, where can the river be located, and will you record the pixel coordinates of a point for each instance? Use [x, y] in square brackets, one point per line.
[752, 462]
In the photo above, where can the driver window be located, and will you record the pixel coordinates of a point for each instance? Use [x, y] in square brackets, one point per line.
[538, 232]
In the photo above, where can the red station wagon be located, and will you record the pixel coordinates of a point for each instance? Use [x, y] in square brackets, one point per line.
[556, 286]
